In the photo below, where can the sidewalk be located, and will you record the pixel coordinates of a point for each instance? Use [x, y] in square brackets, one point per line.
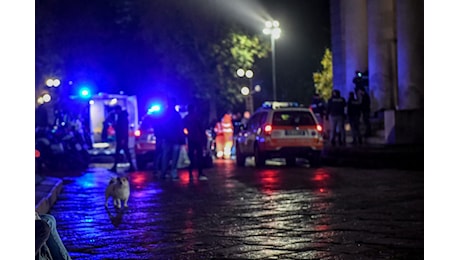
[47, 190]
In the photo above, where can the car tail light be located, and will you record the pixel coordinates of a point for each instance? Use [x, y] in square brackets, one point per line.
[268, 129]
[185, 131]
[137, 133]
[319, 128]
[37, 153]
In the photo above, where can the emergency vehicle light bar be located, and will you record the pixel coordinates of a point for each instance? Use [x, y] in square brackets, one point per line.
[277, 104]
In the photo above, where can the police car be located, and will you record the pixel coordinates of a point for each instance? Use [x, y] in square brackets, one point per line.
[280, 130]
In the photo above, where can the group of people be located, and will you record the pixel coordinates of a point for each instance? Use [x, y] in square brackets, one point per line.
[172, 134]
[338, 110]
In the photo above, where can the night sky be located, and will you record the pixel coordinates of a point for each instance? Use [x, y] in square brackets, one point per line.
[71, 25]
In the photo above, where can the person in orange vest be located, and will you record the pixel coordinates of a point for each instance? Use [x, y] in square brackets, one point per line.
[224, 136]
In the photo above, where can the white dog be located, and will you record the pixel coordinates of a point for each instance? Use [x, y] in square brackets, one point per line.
[118, 189]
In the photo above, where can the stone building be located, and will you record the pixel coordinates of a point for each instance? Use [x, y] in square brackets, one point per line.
[384, 37]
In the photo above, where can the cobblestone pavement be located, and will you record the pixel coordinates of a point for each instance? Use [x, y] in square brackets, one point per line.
[247, 213]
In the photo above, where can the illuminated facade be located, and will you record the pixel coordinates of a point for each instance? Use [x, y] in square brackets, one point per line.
[384, 37]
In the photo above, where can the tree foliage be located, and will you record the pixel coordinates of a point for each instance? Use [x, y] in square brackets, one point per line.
[323, 79]
[236, 50]
[146, 48]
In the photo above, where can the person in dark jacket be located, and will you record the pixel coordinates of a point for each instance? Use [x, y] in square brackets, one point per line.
[318, 107]
[336, 114]
[196, 141]
[122, 138]
[172, 138]
[354, 113]
[365, 109]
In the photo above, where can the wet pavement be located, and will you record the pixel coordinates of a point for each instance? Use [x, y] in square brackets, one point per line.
[247, 213]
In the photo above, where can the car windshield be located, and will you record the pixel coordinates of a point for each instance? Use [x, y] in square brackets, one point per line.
[292, 118]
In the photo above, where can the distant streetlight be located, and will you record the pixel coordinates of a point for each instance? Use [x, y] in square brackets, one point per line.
[248, 91]
[53, 83]
[273, 28]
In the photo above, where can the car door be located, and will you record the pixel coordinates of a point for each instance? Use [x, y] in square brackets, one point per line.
[246, 134]
[254, 130]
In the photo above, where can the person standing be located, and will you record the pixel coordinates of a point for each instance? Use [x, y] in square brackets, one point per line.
[219, 139]
[365, 109]
[354, 113]
[318, 107]
[196, 141]
[336, 114]
[228, 132]
[173, 138]
[122, 138]
[245, 119]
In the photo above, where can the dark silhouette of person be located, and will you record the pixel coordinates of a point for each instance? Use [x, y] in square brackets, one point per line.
[121, 138]
[336, 114]
[196, 141]
[354, 114]
[318, 106]
[158, 130]
[365, 109]
[173, 138]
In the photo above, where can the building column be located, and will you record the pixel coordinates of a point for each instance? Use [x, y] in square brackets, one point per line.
[349, 41]
[356, 47]
[409, 27]
[382, 54]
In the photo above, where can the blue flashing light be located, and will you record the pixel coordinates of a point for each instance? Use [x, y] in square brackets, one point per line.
[84, 93]
[155, 108]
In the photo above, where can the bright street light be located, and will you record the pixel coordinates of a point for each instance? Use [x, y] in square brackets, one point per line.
[46, 98]
[53, 83]
[273, 28]
[245, 91]
[249, 74]
[248, 91]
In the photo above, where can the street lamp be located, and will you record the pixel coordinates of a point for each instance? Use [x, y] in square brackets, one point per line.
[53, 83]
[273, 28]
[246, 91]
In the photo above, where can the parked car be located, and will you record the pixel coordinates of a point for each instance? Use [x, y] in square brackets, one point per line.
[280, 130]
[145, 142]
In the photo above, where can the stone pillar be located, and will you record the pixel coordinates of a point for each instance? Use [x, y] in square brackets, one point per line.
[382, 54]
[337, 44]
[409, 27]
[349, 41]
[355, 34]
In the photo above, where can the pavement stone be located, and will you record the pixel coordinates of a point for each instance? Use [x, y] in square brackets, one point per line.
[371, 155]
[303, 240]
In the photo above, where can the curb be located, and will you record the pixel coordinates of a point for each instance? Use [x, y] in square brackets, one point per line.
[375, 158]
[46, 192]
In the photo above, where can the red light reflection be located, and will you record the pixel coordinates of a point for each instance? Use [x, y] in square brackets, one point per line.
[269, 180]
[139, 179]
[321, 177]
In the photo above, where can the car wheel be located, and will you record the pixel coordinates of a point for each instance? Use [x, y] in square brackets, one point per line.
[315, 160]
[290, 161]
[240, 158]
[259, 157]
